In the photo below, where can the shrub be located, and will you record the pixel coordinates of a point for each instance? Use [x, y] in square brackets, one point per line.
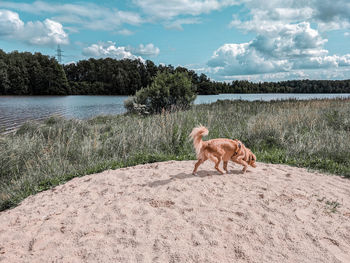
[168, 91]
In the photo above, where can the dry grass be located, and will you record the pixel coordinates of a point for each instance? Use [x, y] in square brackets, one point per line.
[313, 134]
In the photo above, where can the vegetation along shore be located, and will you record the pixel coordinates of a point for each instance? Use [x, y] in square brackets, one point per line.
[36, 74]
[313, 134]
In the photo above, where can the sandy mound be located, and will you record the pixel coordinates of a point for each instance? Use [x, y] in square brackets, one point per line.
[161, 213]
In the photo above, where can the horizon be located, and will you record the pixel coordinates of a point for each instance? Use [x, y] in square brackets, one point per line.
[226, 40]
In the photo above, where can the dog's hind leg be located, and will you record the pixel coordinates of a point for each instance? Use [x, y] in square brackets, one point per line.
[225, 166]
[217, 166]
[217, 160]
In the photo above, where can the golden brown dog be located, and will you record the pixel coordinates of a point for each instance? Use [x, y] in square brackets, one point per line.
[215, 149]
[244, 156]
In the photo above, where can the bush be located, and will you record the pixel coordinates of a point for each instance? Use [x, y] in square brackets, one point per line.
[168, 91]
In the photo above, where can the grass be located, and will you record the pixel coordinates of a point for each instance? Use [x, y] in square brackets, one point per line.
[330, 206]
[313, 134]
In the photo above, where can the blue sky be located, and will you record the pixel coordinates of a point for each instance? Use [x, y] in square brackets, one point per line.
[225, 39]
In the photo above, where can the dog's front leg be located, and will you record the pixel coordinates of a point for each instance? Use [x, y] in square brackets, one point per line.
[239, 160]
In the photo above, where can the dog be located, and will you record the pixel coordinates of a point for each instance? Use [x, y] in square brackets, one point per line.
[244, 156]
[216, 150]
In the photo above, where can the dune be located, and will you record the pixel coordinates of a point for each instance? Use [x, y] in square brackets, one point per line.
[160, 212]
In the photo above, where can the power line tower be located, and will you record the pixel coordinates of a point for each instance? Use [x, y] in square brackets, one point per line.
[59, 55]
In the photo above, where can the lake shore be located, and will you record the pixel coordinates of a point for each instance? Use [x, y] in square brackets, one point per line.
[160, 212]
[16, 110]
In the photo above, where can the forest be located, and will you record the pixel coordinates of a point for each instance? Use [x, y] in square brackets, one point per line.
[24, 73]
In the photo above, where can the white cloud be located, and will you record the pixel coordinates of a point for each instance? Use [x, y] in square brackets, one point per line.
[173, 14]
[285, 43]
[173, 8]
[177, 24]
[343, 61]
[332, 14]
[109, 49]
[148, 50]
[84, 15]
[125, 32]
[46, 33]
[336, 73]
[237, 59]
[9, 22]
[278, 49]
[327, 14]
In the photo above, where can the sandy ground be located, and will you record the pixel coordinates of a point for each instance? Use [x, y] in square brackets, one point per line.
[161, 213]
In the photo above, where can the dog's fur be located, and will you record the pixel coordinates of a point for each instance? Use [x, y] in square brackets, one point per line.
[244, 156]
[217, 150]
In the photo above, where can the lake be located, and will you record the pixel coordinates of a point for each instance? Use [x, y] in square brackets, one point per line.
[16, 110]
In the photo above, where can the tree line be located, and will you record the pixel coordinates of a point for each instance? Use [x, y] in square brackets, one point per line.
[31, 74]
[24, 73]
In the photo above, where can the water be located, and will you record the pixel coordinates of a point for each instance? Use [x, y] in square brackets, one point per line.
[16, 110]
[269, 96]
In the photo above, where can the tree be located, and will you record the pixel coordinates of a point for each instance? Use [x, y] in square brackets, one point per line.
[167, 91]
[4, 81]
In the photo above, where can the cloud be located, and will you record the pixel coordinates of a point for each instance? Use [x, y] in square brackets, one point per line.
[125, 32]
[9, 22]
[327, 14]
[285, 43]
[109, 49]
[148, 50]
[174, 14]
[177, 24]
[46, 33]
[337, 73]
[237, 59]
[86, 15]
[169, 9]
[332, 14]
[277, 48]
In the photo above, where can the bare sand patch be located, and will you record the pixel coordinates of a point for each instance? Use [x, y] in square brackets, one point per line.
[162, 213]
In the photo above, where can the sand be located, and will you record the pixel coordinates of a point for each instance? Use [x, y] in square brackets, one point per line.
[162, 213]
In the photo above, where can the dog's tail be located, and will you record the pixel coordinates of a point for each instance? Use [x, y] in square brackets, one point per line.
[196, 135]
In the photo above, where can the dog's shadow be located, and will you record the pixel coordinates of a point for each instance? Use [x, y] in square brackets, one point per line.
[183, 176]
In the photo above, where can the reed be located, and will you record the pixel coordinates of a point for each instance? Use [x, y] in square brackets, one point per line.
[313, 134]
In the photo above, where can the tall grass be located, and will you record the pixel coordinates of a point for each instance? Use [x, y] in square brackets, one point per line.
[313, 134]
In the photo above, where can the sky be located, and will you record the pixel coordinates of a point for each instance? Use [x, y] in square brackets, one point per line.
[254, 40]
